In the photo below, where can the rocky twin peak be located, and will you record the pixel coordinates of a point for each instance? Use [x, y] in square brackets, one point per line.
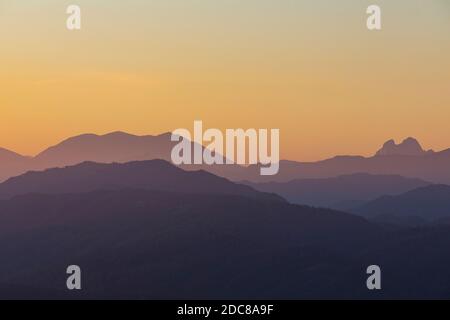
[408, 147]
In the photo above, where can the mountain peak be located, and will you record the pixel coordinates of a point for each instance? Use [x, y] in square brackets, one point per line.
[154, 174]
[408, 147]
[6, 154]
[116, 134]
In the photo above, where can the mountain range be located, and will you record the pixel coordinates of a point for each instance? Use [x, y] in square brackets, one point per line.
[113, 147]
[151, 230]
[141, 244]
[12, 164]
[408, 147]
[428, 203]
[406, 159]
[342, 192]
[148, 175]
[136, 238]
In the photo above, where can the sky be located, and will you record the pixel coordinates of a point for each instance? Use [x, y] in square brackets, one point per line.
[308, 68]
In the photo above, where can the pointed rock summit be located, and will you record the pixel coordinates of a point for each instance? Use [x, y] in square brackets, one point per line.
[408, 147]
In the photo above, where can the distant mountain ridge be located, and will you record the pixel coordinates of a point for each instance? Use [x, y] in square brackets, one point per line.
[342, 192]
[6, 155]
[12, 163]
[408, 147]
[112, 147]
[407, 159]
[150, 230]
[148, 175]
[433, 167]
[146, 244]
[428, 203]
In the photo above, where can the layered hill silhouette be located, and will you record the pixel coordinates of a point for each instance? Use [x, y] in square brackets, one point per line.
[427, 203]
[150, 175]
[143, 244]
[150, 230]
[7, 156]
[407, 159]
[431, 167]
[153, 244]
[12, 164]
[113, 147]
[342, 192]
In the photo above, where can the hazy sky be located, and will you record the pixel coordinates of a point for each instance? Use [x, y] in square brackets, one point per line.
[310, 68]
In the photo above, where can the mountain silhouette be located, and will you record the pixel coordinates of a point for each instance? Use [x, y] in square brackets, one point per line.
[427, 165]
[150, 230]
[431, 167]
[428, 203]
[12, 163]
[408, 147]
[113, 147]
[406, 159]
[157, 245]
[342, 192]
[144, 244]
[9, 156]
[150, 175]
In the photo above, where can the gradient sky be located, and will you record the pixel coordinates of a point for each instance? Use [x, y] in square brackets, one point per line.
[310, 68]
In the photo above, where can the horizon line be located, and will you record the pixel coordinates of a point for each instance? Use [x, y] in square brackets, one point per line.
[125, 133]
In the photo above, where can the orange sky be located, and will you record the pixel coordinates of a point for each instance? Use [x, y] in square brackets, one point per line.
[309, 68]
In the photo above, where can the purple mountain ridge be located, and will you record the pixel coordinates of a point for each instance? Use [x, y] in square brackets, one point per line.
[112, 147]
[407, 159]
[148, 175]
[174, 230]
[12, 163]
[408, 147]
[428, 202]
[342, 192]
